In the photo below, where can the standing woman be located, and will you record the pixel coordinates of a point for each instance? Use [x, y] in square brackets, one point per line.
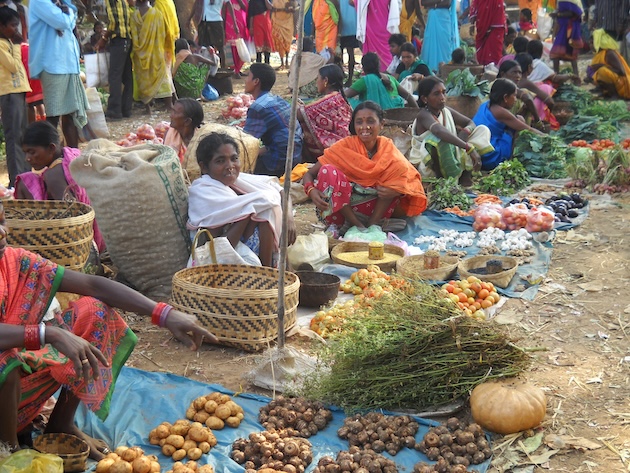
[282, 27]
[408, 15]
[326, 19]
[569, 35]
[376, 21]
[441, 35]
[259, 22]
[235, 28]
[488, 17]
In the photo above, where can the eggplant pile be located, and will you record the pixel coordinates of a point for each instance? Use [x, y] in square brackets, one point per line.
[565, 206]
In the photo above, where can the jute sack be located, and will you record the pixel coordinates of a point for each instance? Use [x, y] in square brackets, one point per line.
[248, 145]
[141, 202]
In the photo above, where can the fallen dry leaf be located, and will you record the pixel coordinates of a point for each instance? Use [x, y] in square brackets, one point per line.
[566, 441]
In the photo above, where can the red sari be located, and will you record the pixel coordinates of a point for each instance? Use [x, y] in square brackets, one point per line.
[32, 282]
[489, 18]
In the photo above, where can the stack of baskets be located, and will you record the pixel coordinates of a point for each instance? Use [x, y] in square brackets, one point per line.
[237, 303]
[57, 230]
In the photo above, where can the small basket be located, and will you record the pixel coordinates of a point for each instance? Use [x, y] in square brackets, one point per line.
[405, 267]
[501, 279]
[317, 289]
[57, 230]
[355, 246]
[72, 450]
[402, 117]
[237, 303]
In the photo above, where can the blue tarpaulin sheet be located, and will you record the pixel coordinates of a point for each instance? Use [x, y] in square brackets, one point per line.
[142, 400]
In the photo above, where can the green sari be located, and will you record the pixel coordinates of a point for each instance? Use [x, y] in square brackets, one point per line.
[190, 79]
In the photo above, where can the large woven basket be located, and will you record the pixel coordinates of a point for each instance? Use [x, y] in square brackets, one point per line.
[57, 230]
[502, 279]
[237, 303]
[408, 265]
[72, 450]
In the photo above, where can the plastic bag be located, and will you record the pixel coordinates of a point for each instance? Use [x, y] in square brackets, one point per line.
[96, 69]
[309, 251]
[209, 92]
[515, 216]
[393, 239]
[544, 23]
[372, 233]
[242, 50]
[220, 251]
[31, 461]
[540, 219]
[488, 215]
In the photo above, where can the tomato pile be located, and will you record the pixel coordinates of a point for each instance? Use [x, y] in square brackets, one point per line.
[237, 106]
[372, 283]
[328, 321]
[513, 217]
[472, 295]
[596, 145]
[625, 144]
[145, 134]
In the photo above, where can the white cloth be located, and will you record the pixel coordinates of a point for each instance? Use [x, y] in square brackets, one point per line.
[391, 69]
[540, 72]
[212, 204]
[362, 11]
[393, 19]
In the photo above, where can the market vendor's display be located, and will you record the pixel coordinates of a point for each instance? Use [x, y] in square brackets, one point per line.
[362, 366]
[453, 445]
[299, 417]
[145, 133]
[447, 193]
[379, 432]
[508, 406]
[565, 206]
[356, 255]
[331, 320]
[543, 156]
[237, 106]
[472, 295]
[183, 439]
[128, 460]
[216, 410]
[272, 450]
[428, 266]
[190, 467]
[605, 171]
[356, 460]
[372, 282]
[497, 270]
[506, 179]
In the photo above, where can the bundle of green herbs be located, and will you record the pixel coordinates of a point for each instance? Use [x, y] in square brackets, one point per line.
[610, 110]
[411, 350]
[446, 192]
[543, 156]
[588, 128]
[507, 178]
[462, 82]
[578, 97]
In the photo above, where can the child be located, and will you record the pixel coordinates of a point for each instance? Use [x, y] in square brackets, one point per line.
[34, 98]
[99, 31]
[458, 56]
[525, 24]
[14, 85]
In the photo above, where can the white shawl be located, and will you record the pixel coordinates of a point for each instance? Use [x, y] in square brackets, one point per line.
[212, 204]
[393, 18]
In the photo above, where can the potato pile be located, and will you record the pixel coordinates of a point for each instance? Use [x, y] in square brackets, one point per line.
[379, 432]
[272, 450]
[454, 447]
[356, 460]
[183, 439]
[297, 415]
[216, 410]
[128, 460]
[190, 467]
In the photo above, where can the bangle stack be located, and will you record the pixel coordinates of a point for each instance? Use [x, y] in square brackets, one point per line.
[308, 188]
[160, 313]
[31, 337]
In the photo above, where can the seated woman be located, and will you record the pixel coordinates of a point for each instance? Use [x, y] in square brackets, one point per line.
[80, 351]
[541, 91]
[51, 178]
[436, 148]
[360, 180]
[503, 124]
[309, 66]
[325, 121]
[190, 70]
[245, 208]
[414, 66]
[186, 118]
[608, 69]
[526, 102]
[380, 88]
[541, 72]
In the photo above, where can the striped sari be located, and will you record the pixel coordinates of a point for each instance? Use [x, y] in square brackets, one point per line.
[33, 282]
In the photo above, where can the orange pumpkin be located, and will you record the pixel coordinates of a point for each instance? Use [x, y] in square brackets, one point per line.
[508, 406]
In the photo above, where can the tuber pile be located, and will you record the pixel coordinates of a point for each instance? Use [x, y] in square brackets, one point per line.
[356, 460]
[299, 416]
[183, 439]
[454, 447]
[128, 460]
[216, 410]
[379, 432]
[272, 450]
[190, 467]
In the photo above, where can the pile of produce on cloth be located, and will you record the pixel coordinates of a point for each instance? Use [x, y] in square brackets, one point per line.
[146, 134]
[605, 170]
[471, 295]
[410, 350]
[300, 417]
[543, 156]
[236, 106]
[272, 451]
[507, 178]
[131, 459]
[447, 193]
[372, 282]
[462, 82]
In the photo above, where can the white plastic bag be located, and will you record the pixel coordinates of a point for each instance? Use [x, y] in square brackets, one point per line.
[220, 251]
[242, 50]
[409, 85]
[545, 23]
[311, 250]
[96, 69]
[97, 125]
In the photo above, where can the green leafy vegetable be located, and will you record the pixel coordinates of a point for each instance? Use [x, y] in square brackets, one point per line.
[578, 97]
[588, 128]
[506, 179]
[462, 82]
[615, 110]
[543, 156]
[446, 193]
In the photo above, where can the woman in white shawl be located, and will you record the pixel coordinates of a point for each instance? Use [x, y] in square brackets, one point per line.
[242, 207]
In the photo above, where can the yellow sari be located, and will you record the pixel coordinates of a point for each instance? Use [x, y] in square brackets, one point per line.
[171, 24]
[406, 21]
[603, 43]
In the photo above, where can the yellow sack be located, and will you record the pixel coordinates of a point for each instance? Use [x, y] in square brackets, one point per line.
[31, 461]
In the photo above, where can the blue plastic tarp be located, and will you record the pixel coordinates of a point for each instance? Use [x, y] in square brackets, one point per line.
[142, 400]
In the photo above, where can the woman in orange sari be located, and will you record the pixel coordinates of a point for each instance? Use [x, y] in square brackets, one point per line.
[360, 180]
[326, 21]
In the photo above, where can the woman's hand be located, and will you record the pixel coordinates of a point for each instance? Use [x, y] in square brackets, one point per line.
[84, 356]
[476, 159]
[416, 76]
[387, 193]
[186, 329]
[318, 199]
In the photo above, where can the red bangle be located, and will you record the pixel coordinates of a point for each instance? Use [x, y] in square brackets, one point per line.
[308, 186]
[159, 314]
[31, 337]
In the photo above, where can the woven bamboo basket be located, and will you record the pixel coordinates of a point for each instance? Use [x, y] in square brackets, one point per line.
[72, 450]
[57, 230]
[355, 246]
[402, 117]
[502, 279]
[237, 303]
[407, 267]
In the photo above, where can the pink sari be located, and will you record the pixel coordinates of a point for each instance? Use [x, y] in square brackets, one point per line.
[376, 34]
[230, 31]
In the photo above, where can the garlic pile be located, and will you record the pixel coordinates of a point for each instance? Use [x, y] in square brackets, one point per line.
[489, 236]
[446, 238]
[517, 240]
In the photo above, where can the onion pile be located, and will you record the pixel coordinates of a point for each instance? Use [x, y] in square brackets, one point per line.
[356, 460]
[299, 416]
[454, 447]
[183, 439]
[272, 450]
[216, 410]
[379, 432]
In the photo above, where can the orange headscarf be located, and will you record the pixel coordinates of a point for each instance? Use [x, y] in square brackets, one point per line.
[387, 168]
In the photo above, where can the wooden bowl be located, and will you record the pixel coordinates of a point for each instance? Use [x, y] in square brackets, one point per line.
[317, 289]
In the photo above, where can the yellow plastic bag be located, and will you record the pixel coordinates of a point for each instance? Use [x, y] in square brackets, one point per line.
[31, 461]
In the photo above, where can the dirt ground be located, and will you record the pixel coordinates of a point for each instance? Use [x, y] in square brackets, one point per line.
[577, 329]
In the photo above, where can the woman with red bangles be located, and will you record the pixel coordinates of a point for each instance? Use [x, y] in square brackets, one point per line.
[80, 350]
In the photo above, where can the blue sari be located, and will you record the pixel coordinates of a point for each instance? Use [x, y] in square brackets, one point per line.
[501, 138]
[441, 36]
